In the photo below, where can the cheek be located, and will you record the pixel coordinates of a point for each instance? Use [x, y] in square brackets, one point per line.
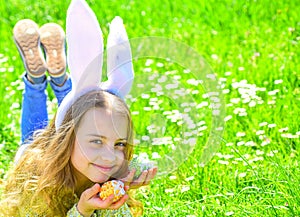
[79, 156]
[122, 168]
[120, 156]
[74, 159]
[85, 153]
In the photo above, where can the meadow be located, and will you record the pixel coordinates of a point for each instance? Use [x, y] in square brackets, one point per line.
[244, 161]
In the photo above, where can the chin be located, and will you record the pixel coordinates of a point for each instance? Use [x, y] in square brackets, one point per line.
[100, 179]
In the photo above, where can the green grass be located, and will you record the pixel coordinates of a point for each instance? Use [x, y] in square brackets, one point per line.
[251, 46]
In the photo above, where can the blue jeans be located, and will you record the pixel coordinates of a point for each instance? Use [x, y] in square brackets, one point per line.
[34, 106]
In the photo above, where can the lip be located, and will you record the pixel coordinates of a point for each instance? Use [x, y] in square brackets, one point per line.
[104, 168]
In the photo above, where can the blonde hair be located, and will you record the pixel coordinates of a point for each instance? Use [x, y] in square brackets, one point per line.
[41, 182]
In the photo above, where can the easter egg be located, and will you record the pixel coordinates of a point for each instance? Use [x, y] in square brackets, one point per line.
[114, 187]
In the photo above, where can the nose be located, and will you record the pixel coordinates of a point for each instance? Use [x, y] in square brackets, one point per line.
[107, 154]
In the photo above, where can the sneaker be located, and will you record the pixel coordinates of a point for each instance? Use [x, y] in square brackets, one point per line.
[27, 39]
[53, 41]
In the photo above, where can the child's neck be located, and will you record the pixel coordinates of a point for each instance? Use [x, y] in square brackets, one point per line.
[82, 183]
[82, 187]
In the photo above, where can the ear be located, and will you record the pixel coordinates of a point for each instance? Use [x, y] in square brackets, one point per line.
[119, 60]
[85, 46]
[85, 54]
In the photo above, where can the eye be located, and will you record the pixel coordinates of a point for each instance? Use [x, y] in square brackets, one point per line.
[121, 144]
[97, 141]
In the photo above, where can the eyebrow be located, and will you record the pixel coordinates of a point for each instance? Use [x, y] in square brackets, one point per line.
[103, 137]
[96, 135]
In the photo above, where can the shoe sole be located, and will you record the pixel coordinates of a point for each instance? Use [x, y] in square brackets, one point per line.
[53, 41]
[27, 39]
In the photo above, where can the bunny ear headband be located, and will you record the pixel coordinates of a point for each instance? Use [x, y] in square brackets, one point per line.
[85, 54]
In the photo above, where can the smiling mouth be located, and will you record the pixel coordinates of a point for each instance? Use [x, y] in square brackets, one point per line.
[103, 168]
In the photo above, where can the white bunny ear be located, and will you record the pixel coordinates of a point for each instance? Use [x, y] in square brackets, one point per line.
[85, 45]
[119, 60]
[85, 54]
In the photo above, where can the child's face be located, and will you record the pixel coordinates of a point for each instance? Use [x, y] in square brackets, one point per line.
[99, 145]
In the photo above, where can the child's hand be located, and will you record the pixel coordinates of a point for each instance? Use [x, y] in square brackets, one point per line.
[90, 201]
[144, 179]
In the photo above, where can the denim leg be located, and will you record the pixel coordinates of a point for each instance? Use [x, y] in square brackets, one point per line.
[34, 109]
[61, 91]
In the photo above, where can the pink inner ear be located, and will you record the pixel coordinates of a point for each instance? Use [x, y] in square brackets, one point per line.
[119, 60]
[85, 45]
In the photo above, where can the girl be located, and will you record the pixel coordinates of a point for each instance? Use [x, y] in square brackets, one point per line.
[60, 167]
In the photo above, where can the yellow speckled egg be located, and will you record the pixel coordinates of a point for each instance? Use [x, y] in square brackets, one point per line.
[115, 187]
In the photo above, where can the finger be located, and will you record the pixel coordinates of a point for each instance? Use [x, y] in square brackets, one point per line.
[128, 179]
[126, 188]
[151, 174]
[140, 181]
[91, 192]
[148, 177]
[142, 177]
[104, 204]
[119, 203]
